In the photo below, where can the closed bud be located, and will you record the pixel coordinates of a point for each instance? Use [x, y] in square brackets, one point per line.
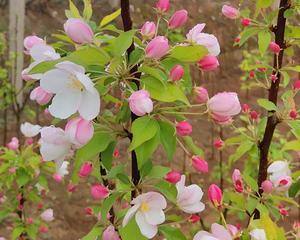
[230, 12]
[13, 144]
[86, 169]
[178, 19]
[163, 5]
[148, 30]
[199, 164]
[173, 177]
[245, 22]
[99, 192]
[219, 144]
[201, 94]
[208, 63]
[41, 96]
[267, 186]
[140, 103]
[157, 47]
[254, 115]
[237, 181]
[176, 73]
[293, 114]
[215, 195]
[296, 85]
[110, 234]
[194, 218]
[184, 128]
[274, 48]
[79, 31]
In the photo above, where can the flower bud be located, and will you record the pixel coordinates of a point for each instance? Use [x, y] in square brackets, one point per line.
[12, 170]
[29, 141]
[296, 85]
[274, 48]
[29, 221]
[283, 183]
[184, 128]
[245, 108]
[201, 94]
[140, 103]
[237, 39]
[99, 192]
[148, 30]
[31, 41]
[178, 19]
[57, 178]
[173, 177]
[230, 12]
[88, 211]
[157, 47]
[293, 114]
[79, 31]
[110, 234]
[79, 131]
[245, 22]
[194, 218]
[43, 229]
[274, 77]
[25, 75]
[237, 181]
[219, 144]
[163, 5]
[176, 73]
[199, 164]
[13, 144]
[267, 186]
[254, 115]
[208, 63]
[71, 188]
[85, 169]
[215, 195]
[47, 215]
[251, 74]
[40, 96]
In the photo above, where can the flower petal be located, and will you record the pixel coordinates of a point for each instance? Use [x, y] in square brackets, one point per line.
[220, 232]
[89, 105]
[146, 229]
[155, 217]
[203, 235]
[70, 67]
[55, 81]
[193, 208]
[130, 214]
[51, 152]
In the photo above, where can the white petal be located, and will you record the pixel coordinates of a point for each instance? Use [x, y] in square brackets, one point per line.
[190, 194]
[193, 208]
[203, 235]
[51, 152]
[65, 104]
[146, 229]
[220, 231]
[70, 67]
[89, 105]
[86, 82]
[155, 217]
[55, 81]
[181, 184]
[42, 52]
[30, 130]
[130, 214]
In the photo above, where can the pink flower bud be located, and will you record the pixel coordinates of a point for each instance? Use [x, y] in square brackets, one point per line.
[13, 144]
[57, 178]
[274, 48]
[173, 177]
[157, 47]
[176, 73]
[40, 96]
[86, 169]
[19, 197]
[283, 183]
[163, 5]
[110, 234]
[293, 114]
[99, 192]
[184, 128]
[283, 212]
[245, 22]
[178, 19]
[251, 74]
[148, 30]
[29, 141]
[219, 144]
[267, 186]
[31, 41]
[254, 115]
[274, 77]
[215, 195]
[237, 181]
[40, 205]
[88, 211]
[245, 108]
[208, 63]
[79, 31]
[194, 218]
[230, 12]
[140, 103]
[12, 170]
[199, 164]
[116, 153]
[47, 215]
[201, 94]
[71, 188]
[79, 131]
[237, 40]
[296, 85]
[20, 207]
[43, 229]
[29, 221]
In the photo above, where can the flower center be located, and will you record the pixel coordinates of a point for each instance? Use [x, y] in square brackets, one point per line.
[75, 83]
[145, 207]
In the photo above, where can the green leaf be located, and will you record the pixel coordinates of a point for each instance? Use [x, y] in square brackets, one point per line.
[293, 68]
[168, 138]
[188, 53]
[262, 4]
[17, 232]
[172, 233]
[88, 10]
[154, 72]
[22, 177]
[85, 57]
[292, 145]
[108, 203]
[94, 234]
[32, 231]
[131, 231]
[294, 189]
[193, 147]
[167, 189]
[143, 129]
[247, 33]
[286, 78]
[107, 156]
[250, 182]
[120, 44]
[266, 104]
[73, 12]
[109, 18]
[264, 39]
[158, 172]
[292, 32]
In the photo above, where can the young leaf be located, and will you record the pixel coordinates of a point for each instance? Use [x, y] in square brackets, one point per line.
[247, 33]
[94, 233]
[88, 10]
[74, 12]
[168, 138]
[188, 53]
[120, 44]
[172, 233]
[131, 231]
[264, 39]
[109, 18]
[266, 104]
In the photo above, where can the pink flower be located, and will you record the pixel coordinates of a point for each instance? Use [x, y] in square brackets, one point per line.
[86, 169]
[274, 77]
[13, 144]
[201, 94]
[176, 73]
[230, 12]
[194, 218]
[254, 115]
[25, 75]
[43, 229]
[178, 19]
[148, 30]
[274, 48]
[296, 85]
[218, 232]
[41, 96]
[157, 47]
[71, 188]
[267, 186]
[223, 106]
[79, 31]
[140, 103]
[245, 22]
[47, 215]
[110, 234]
[219, 144]
[79, 131]
[163, 5]
[200, 164]
[208, 63]
[173, 177]
[189, 197]
[237, 181]
[57, 178]
[29, 141]
[99, 192]
[293, 114]
[29, 221]
[88, 211]
[31, 41]
[245, 108]
[283, 183]
[215, 195]
[184, 128]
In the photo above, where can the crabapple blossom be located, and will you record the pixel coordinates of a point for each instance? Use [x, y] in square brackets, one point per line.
[163, 5]
[79, 31]
[157, 47]
[178, 19]
[246, 22]
[184, 128]
[13, 144]
[277, 170]
[208, 63]
[173, 177]
[29, 130]
[237, 181]
[215, 195]
[199, 164]
[189, 197]
[219, 144]
[99, 192]
[140, 103]
[201, 94]
[218, 232]
[63, 169]
[176, 73]
[283, 183]
[74, 91]
[267, 186]
[274, 47]
[230, 12]
[110, 233]
[31, 41]
[41, 96]
[148, 211]
[85, 169]
[258, 234]
[148, 30]
[47, 215]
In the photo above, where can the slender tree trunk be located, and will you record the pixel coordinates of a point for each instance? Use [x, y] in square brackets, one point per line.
[273, 120]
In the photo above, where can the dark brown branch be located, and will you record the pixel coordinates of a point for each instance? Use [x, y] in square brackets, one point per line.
[273, 120]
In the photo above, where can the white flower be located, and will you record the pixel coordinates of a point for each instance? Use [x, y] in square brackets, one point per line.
[30, 130]
[189, 198]
[47, 215]
[74, 91]
[258, 234]
[63, 170]
[148, 211]
[218, 232]
[278, 169]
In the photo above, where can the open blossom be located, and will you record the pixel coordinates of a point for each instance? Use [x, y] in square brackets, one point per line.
[63, 169]
[79, 31]
[230, 12]
[237, 181]
[13, 144]
[140, 103]
[47, 215]
[258, 234]
[31, 41]
[148, 30]
[74, 91]
[40, 96]
[157, 47]
[148, 211]
[55, 145]
[277, 170]
[218, 232]
[283, 183]
[178, 19]
[110, 233]
[29, 130]
[189, 197]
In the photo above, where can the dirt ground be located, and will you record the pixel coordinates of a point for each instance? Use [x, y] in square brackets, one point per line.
[71, 222]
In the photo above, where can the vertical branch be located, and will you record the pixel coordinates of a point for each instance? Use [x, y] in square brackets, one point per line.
[272, 122]
[221, 162]
[127, 25]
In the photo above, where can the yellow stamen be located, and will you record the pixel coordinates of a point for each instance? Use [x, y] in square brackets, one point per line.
[145, 207]
[75, 83]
